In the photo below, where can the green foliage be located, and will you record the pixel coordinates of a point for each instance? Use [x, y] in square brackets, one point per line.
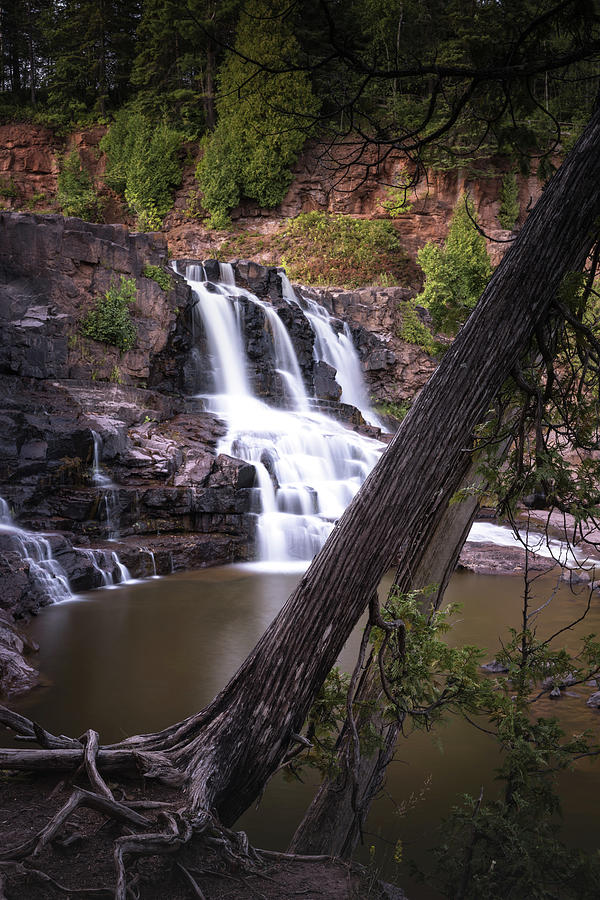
[110, 319]
[396, 202]
[158, 274]
[396, 410]
[317, 248]
[509, 201]
[262, 117]
[115, 376]
[143, 164]
[325, 719]
[8, 189]
[425, 677]
[76, 194]
[456, 274]
[414, 331]
[511, 846]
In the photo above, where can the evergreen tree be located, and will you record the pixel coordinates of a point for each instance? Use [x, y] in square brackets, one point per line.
[262, 116]
[455, 274]
[91, 47]
[174, 68]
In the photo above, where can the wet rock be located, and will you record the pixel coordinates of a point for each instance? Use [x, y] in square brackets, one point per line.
[491, 559]
[17, 676]
[22, 594]
[325, 385]
[230, 472]
[53, 270]
[494, 667]
[594, 700]
[263, 281]
[560, 682]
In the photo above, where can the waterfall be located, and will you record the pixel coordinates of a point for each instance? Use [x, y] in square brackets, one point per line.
[109, 496]
[308, 466]
[336, 349]
[35, 549]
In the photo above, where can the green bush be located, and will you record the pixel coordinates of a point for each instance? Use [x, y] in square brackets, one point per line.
[8, 189]
[509, 201]
[110, 319]
[143, 165]
[76, 194]
[414, 331]
[455, 274]
[317, 248]
[396, 410]
[158, 274]
[263, 117]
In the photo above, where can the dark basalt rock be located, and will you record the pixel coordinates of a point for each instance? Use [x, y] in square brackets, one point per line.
[325, 385]
[264, 281]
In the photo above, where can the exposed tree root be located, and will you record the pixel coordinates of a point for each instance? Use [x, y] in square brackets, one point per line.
[24, 869]
[167, 833]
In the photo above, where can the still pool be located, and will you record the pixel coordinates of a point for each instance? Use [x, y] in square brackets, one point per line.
[141, 656]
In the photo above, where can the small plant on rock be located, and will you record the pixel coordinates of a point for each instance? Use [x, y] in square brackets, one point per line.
[110, 319]
[158, 274]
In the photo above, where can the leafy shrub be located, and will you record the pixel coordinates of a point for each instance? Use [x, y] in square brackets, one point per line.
[262, 117]
[158, 274]
[8, 189]
[318, 248]
[455, 274]
[396, 410]
[110, 319]
[509, 201]
[76, 194]
[414, 331]
[143, 165]
[396, 201]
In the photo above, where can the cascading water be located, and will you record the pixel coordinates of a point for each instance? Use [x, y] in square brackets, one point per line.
[308, 466]
[35, 549]
[47, 572]
[108, 496]
[336, 349]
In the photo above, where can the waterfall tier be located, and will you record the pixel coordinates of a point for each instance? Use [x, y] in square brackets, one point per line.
[308, 465]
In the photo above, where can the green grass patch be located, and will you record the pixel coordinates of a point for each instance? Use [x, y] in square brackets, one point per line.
[318, 248]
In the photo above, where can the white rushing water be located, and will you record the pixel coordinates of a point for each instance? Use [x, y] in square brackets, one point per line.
[336, 349]
[47, 573]
[108, 491]
[308, 466]
[565, 554]
[35, 549]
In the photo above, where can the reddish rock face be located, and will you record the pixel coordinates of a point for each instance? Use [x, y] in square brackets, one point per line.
[29, 157]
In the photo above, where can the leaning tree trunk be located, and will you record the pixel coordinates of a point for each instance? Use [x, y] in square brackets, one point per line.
[228, 752]
[333, 822]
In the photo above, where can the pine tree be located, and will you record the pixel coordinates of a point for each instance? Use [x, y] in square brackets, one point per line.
[455, 274]
[262, 116]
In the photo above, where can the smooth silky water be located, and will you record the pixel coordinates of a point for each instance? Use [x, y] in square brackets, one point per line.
[143, 655]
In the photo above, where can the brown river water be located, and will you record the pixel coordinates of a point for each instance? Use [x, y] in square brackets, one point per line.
[141, 656]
